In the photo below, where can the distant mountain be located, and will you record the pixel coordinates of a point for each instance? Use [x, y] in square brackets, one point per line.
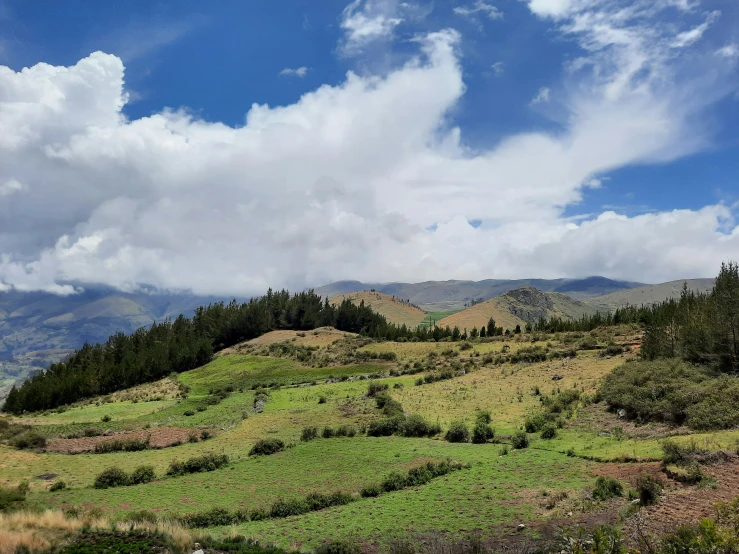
[395, 310]
[453, 295]
[517, 307]
[648, 294]
[37, 329]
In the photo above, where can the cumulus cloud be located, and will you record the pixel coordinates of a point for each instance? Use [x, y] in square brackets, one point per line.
[296, 72]
[367, 179]
[10, 186]
[365, 21]
[498, 68]
[728, 51]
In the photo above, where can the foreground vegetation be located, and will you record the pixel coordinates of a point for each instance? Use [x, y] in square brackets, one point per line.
[487, 444]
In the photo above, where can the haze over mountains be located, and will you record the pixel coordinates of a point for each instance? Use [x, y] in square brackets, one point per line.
[455, 295]
[39, 328]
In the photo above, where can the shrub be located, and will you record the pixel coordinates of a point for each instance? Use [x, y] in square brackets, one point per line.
[58, 486]
[549, 431]
[519, 440]
[12, 499]
[105, 418]
[483, 416]
[287, 508]
[321, 399]
[393, 482]
[207, 462]
[607, 487]
[29, 440]
[309, 433]
[111, 477]
[385, 427]
[482, 432]
[327, 433]
[416, 426]
[142, 474]
[649, 488]
[122, 445]
[458, 432]
[677, 453]
[189, 413]
[534, 422]
[374, 388]
[211, 518]
[205, 435]
[392, 408]
[265, 447]
[336, 547]
[370, 491]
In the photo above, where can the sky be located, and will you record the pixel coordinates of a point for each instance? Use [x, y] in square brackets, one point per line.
[227, 147]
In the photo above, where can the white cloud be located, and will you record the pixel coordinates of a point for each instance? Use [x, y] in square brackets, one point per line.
[480, 7]
[367, 179]
[498, 68]
[728, 51]
[11, 186]
[365, 21]
[542, 96]
[686, 38]
[297, 72]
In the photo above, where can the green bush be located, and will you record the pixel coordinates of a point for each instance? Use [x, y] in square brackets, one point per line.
[327, 433]
[309, 433]
[483, 416]
[482, 432]
[370, 491]
[458, 432]
[549, 431]
[112, 477]
[142, 474]
[337, 547]
[265, 447]
[13, 499]
[607, 487]
[207, 462]
[416, 426]
[57, 486]
[374, 388]
[29, 440]
[534, 422]
[105, 418]
[122, 445]
[674, 392]
[287, 508]
[520, 440]
[385, 427]
[649, 488]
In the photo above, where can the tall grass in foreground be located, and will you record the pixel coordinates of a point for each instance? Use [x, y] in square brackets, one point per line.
[40, 530]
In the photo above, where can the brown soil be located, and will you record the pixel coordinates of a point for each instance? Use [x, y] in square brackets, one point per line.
[323, 336]
[159, 437]
[682, 504]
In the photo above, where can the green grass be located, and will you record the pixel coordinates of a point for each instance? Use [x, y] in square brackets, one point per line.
[432, 317]
[495, 491]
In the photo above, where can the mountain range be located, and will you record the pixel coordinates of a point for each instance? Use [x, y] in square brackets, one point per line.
[37, 328]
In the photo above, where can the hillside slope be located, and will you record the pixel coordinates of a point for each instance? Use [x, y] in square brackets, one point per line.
[453, 295]
[517, 307]
[648, 294]
[395, 310]
[37, 329]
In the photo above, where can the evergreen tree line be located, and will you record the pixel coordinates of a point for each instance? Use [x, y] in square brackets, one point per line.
[701, 328]
[152, 353]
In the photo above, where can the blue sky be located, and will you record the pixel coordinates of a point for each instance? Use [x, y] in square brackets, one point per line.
[528, 68]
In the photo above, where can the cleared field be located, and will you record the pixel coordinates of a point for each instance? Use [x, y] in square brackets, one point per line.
[395, 310]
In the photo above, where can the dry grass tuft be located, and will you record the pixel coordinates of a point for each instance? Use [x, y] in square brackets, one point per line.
[39, 530]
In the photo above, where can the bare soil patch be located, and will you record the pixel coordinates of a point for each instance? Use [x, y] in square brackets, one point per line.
[159, 437]
[683, 504]
[323, 336]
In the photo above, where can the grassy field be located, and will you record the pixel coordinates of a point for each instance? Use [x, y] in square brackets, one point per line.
[499, 490]
[393, 309]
